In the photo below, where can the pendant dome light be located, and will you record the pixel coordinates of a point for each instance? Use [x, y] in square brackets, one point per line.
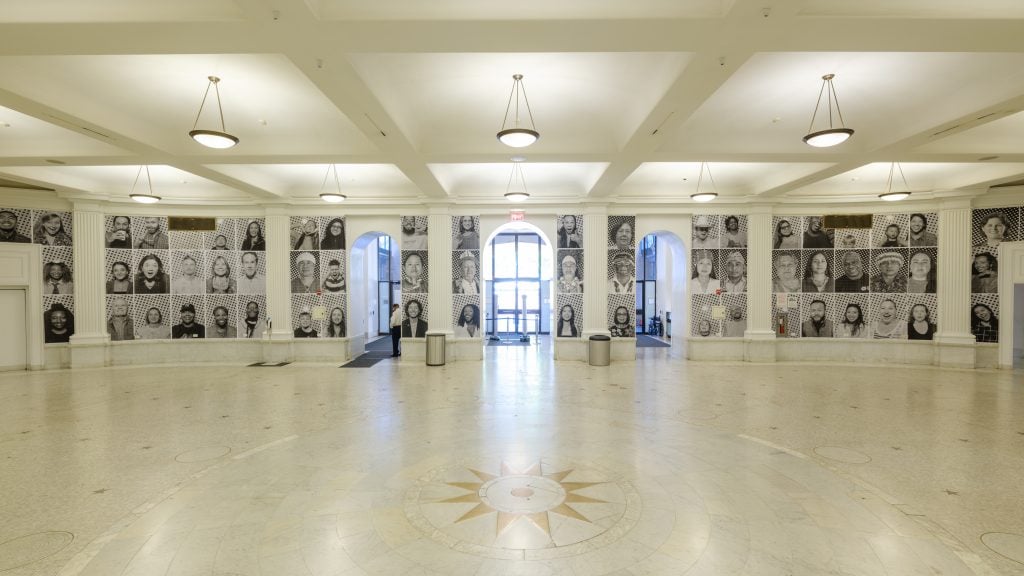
[830, 136]
[705, 195]
[336, 196]
[219, 139]
[893, 196]
[511, 133]
[516, 189]
[143, 198]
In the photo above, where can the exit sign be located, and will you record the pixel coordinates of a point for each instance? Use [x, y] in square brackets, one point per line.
[516, 215]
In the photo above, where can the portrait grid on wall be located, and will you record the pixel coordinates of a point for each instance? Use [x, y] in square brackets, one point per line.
[151, 316]
[702, 325]
[335, 323]
[465, 273]
[252, 316]
[621, 315]
[58, 318]
[52, 228]
[410, 304]
[786, 231]
[734, 231]
[817, 315]
[58, 271]
[15, 225]
[621, 232]
[851, 315]
[465, 232]
[319, 275]
[985, 317]
[569, 316]
[705, 231]
[221, 317]
[569, 229]
[467, 317]
[621, 272]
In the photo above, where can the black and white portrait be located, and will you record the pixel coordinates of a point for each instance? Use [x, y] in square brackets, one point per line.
[991, 226]
[786, 276]
[120, 325]
[852, 238]
[414, 232]
[705, 232]
[119, 271]
[151, 272]
[414, 271]
[985, 317]
[622, 232]
[251, 232]
[252, 272]
[150, 233]
[816, 235]
[332, 271]
[704, 272]
[621, 272]
[466, 272]
[252, 316]
[569, 319]
[735, 322]
[15, 225]
[817, 312]
[852, 270]
[52, 228]
[303, 322]
[570, 230]
[58, 271]
[890, 230]
[622, 315]
[889, 270]
[465, 232]
[734, 231]
[923, 317]
[151, 316]
[188, 313]
[333, 234]
[984, 270]
[304, 266]
[224, 237]
[852, 316]
[335, 322]
[304, 233]
[118, 232]
[466, 317]
[923, 229]
[786, 231]
[734, 271]
[817, 271]
[58, 319]
[187, 240]
[702, 324]
[922, 274]
[221, 316]
[221, 278]
[188, 272]
[889, 316]
[414, 316]
[569, 271]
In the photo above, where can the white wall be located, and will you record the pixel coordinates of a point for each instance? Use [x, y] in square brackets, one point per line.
[1018, 324]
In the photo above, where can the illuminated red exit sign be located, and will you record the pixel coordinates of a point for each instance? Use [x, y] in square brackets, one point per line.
[516, 215]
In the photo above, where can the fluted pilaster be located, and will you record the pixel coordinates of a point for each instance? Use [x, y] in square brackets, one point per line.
[595, 261]
[954, 279]
[90, 264]
[759, 273]
[279, 302]
[439, 243]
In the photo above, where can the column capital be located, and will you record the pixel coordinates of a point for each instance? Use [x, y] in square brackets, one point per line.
[88, 205]
[278, 210]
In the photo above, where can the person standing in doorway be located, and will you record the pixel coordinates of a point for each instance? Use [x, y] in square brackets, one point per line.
[396, 329]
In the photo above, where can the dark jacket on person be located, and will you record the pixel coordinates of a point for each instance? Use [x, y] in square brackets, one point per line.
[421, 329]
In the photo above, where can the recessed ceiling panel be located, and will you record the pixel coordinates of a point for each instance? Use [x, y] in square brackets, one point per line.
[872, 179]
[490, 181]
[913, 8]
[308, 180]
[451, 103]
[118, 10]
[23, 136]
[679, 179]
[1005, 135]
[268, 103]
[521, 10]
[117, 181]
[767, 105]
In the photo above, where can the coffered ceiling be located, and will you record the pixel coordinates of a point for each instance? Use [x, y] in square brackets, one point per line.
[406, 96]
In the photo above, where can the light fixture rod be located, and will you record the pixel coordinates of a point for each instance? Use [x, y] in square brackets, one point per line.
[833, 99]
[517, 87]
[337, 181]
[139, 175]
[892, 172]
[214, 81]
[700, 177]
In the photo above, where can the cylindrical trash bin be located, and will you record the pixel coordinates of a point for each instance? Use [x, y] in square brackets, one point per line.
[599, 350]
[435, 349]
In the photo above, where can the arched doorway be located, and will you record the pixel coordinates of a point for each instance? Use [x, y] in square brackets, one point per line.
[374, 283]
[661, 276]
[517, 264]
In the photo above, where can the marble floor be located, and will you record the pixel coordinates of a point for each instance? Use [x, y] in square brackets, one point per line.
[518, 465]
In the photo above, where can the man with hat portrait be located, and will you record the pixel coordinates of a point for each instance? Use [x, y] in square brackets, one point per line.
[188, 328]
[621, 280]
[702, 234]
[890, 276]
[735, 280]
[306, 281]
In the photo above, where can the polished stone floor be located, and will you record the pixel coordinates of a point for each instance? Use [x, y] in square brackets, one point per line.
[515, 466]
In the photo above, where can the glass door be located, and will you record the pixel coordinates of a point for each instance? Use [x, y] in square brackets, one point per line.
[388, 284]
[515, 291]
[647, 319]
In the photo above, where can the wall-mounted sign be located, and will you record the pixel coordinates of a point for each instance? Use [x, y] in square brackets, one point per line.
[516, 215]
[191, 224]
